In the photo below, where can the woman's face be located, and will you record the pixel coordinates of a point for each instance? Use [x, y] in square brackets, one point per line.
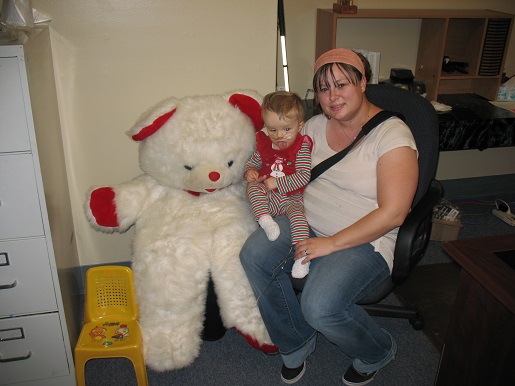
[340, 99]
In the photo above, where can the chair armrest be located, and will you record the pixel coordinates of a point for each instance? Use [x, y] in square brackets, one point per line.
[414, 233]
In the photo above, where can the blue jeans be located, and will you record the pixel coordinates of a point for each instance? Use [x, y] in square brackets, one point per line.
[335, 284]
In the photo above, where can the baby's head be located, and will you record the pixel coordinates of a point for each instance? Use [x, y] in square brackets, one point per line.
[283, 114]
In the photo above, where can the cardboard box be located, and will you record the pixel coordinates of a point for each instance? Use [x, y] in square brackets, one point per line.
[443, 230]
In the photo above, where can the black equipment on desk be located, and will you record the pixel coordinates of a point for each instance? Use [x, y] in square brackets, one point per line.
[403, 78]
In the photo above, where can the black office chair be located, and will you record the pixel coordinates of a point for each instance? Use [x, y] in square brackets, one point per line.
[414, 234]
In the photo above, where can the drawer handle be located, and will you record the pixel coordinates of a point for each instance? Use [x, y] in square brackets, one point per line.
[16, 358]
[7, 286]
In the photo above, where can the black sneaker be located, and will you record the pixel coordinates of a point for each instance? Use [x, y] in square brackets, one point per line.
[290, 376]
[353, 377]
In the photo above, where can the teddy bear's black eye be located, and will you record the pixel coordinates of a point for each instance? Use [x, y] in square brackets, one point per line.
[188, 167]
[230, 163]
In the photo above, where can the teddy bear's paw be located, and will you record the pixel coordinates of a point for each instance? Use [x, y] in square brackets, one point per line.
[101, 207]
[265, 347]
[270, 227]
[299, 270]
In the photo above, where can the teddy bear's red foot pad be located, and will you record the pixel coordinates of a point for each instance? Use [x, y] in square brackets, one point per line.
[266, 348]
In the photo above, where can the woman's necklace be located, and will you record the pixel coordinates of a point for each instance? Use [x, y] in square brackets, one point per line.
[354, 136]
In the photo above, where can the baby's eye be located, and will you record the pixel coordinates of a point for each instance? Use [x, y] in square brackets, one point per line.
[188, 167]
[230, 163]
[287, 129]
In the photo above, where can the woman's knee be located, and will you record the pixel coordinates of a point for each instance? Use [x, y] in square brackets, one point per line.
[258, 251]
[321, 311]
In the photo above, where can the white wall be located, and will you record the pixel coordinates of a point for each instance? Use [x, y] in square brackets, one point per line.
[114, 59]
[300, 20]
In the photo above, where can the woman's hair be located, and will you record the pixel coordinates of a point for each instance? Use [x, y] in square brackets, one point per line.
[324, 76]
[285, 104]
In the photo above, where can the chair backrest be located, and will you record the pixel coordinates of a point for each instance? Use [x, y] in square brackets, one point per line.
[110, 293]
[422, 119]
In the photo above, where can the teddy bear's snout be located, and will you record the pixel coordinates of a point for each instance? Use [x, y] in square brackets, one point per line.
[214, 176]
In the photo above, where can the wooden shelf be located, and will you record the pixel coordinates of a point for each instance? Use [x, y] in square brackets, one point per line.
[462, 35]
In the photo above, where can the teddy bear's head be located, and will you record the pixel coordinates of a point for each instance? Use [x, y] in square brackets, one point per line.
[200, 143]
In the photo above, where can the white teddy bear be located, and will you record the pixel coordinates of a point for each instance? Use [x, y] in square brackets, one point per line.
[191, 218]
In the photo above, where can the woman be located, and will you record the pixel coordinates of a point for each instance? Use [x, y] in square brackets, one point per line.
[354, 210]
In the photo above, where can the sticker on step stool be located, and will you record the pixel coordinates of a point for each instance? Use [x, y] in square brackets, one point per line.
[116, 331]
[98, 333]
[121, 332]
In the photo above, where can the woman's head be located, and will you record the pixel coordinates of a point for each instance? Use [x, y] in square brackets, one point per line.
[349, 63]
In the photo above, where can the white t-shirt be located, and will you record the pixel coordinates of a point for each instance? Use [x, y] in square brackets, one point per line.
[348, 191]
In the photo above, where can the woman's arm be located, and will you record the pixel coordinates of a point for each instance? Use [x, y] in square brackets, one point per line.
[397, 179]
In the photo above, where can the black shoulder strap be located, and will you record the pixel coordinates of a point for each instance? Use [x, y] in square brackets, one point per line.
[377, 119]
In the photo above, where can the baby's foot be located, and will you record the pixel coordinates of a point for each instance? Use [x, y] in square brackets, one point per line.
[299, 270]
[270, 227]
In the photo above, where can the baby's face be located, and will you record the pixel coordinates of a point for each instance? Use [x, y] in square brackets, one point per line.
[282, 131]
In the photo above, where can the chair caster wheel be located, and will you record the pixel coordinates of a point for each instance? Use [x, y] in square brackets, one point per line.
[417, 323]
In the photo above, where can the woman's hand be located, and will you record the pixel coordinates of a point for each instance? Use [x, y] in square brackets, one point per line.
[313, 248]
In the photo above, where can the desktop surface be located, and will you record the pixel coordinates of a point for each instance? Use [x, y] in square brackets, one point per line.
[479, 346]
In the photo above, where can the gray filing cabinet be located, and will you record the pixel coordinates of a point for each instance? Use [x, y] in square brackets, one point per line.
[34, 340]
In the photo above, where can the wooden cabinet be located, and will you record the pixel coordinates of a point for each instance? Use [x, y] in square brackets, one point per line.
[476, 37]
[35, 347]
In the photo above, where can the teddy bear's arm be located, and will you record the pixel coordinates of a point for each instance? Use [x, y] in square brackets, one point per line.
[116, 208]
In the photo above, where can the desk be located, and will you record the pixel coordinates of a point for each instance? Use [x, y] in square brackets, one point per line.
[480, 345]
[474, 123]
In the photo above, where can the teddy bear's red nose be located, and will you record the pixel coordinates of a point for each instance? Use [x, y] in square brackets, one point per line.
[214, 176]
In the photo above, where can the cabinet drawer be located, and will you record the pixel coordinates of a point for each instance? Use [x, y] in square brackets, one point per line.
[25, 278]
[13, 120]
[20, 213]
[31, 348]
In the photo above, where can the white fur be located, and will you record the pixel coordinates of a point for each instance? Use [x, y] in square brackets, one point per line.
[181, 239]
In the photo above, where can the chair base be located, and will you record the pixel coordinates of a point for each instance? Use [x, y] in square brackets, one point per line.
[391, 311]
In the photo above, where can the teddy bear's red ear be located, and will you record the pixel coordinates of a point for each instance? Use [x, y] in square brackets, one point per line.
[250, 107]
[147, 131]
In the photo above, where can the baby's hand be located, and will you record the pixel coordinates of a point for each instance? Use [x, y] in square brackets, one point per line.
[270, 183]
[251, 175]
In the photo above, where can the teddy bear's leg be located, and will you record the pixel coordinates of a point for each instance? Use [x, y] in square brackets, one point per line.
[238, 306]
[171, 297]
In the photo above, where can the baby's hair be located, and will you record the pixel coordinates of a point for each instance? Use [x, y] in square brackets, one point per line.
[285, 104]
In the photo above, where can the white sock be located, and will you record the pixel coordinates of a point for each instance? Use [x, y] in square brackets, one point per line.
[270, 227]
[300, 270]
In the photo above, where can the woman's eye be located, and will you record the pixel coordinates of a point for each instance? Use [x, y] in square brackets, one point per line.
[230, 163]
[188, 167]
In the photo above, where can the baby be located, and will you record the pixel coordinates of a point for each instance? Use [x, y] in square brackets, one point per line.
[280, 168]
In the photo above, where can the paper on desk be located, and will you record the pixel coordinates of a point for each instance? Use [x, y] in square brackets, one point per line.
[510, 106]
[440, 106]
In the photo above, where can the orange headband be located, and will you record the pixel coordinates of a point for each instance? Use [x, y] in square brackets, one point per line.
[340, 55]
